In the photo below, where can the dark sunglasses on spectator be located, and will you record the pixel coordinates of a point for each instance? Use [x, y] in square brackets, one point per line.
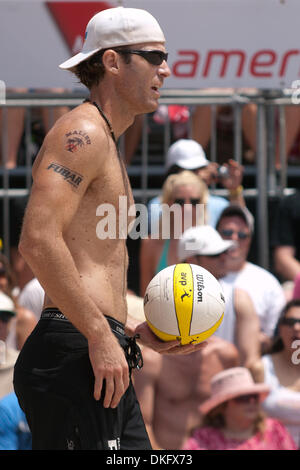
[289, 321]
[154, 57]
[246, 398]
[229, 233]
[213, 256]
[5, 317]
[181, 202]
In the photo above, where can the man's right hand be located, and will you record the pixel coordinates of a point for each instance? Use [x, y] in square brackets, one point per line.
[109, 364]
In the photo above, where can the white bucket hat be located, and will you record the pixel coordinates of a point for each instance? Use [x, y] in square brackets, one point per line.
[116, 27]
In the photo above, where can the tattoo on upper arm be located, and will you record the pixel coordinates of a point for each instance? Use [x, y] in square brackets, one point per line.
[76, 140]
[70, 176]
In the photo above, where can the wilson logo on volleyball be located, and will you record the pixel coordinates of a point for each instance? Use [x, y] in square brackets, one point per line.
[71, 19]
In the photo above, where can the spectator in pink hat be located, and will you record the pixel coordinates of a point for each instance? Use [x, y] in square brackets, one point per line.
[233, 419]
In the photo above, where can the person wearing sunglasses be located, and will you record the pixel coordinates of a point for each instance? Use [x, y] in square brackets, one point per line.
[187, 154]
[282, 370]
[81, 333]
[184, 199]
[233, 419]
[203, 246]
[237, 224]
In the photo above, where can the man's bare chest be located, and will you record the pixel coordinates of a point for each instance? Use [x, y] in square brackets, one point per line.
[182, 382]
[111, 184]
[188, 378]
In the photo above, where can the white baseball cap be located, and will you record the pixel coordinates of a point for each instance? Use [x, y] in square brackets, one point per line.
[202, 240]
[7, 305]
[116, 27]
[187, 154]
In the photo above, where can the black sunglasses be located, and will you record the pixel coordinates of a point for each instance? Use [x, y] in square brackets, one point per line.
[229, 233]
[154, 57]
[289, 321]
[5, 317]
[181, 202]
[246, 398]
[207, 256]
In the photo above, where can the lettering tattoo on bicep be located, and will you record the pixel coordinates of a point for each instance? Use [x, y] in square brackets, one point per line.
[75, 140]
[71, 176]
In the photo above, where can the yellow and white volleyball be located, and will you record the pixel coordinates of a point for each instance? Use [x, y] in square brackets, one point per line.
[184, 302]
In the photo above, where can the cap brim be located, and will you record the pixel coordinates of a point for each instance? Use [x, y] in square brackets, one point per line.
[9, 312]
[191, 164]
[225, 246]
[262, 390]
[184, 253]
[77, 59]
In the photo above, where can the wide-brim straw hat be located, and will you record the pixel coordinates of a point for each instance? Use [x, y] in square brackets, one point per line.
[231, 383]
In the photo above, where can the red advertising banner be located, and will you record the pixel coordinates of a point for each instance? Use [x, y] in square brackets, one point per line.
[211, 43]
[72, 17]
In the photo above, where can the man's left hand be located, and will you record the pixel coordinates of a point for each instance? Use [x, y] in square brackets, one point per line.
[149, 339]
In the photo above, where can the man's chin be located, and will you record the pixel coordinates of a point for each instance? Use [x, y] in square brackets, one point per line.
[153, 105]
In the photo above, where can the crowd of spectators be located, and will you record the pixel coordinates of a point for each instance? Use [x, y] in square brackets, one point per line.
[243, 390]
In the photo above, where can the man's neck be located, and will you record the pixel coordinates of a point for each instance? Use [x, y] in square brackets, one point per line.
[120, 119]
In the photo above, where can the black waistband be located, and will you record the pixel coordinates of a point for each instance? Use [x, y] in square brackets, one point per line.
[55, 314]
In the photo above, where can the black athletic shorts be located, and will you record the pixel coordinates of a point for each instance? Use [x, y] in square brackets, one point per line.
[54, 383]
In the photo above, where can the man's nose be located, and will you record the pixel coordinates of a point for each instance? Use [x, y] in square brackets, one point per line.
[164, 69]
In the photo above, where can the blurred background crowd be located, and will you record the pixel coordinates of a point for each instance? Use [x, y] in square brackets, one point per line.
[243, 390]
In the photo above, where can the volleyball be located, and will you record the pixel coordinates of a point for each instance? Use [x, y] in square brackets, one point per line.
[184, 302]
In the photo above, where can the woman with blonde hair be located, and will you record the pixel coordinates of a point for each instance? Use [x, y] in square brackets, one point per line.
[184, 199]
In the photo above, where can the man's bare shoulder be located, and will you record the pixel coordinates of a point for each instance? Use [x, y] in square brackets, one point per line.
[78, 141]
[78, 132]
[81, 123]
[223, 349]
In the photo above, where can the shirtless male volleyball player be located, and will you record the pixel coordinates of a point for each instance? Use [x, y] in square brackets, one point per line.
[73, 361]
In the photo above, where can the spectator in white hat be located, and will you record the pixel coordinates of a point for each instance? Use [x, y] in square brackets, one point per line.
[203, 246]
[233, 419]
[187, 154]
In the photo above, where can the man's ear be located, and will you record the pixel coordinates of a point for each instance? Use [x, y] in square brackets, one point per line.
[110, 60]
